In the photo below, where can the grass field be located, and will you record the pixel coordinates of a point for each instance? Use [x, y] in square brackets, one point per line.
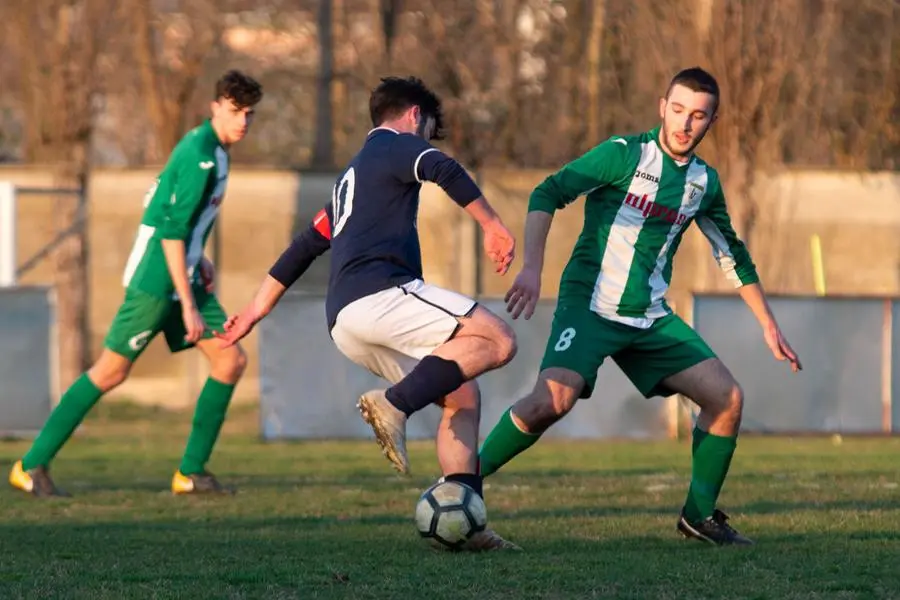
[330, 520]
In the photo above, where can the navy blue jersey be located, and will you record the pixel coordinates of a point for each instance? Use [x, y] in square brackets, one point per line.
[370, 223]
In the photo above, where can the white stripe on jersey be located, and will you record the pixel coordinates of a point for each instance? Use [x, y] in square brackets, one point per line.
[620, 245]
[144, 234]
[194, 248]
[721, 252]
[690, 204]
[416, 164]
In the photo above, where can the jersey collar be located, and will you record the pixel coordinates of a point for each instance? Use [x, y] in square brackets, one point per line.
[382, 128]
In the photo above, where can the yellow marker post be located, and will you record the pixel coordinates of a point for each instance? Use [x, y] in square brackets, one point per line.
[815, 247]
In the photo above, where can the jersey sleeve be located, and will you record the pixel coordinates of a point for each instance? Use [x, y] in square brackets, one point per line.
[605, 164]
[192, 173]
[311, 243]
[412, 159]
[728, 250]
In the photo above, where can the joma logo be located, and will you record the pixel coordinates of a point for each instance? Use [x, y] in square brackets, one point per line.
[649, 208]
[647, 176]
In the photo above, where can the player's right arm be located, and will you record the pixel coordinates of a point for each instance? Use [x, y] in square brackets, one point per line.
[191, 180]
[604, 165]
[412, 159]
[311, 243]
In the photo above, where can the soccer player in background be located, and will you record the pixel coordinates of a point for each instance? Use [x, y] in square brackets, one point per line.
[428, 342]
[643, 191]
[169, 289]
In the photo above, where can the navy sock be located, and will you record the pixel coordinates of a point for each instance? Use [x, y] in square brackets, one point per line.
[431, 379]
[470, 479]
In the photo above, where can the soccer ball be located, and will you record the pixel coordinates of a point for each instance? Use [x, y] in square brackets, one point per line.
[449, 513]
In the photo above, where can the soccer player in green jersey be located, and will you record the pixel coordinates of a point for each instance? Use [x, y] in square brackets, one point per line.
[169, 290]
[643, 191]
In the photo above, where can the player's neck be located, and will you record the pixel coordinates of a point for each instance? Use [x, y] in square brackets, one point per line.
[398, 126]
[219, 134]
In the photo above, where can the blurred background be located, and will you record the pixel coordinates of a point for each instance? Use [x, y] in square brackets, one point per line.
[95, 94]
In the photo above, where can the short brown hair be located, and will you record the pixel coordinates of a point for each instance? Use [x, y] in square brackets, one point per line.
[241, 89]
[394, 95]
[697, 80]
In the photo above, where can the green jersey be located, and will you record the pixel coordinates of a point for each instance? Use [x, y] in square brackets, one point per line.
[182, 205]
[639, 204]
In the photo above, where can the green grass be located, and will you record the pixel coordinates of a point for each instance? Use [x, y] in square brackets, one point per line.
[330, 520]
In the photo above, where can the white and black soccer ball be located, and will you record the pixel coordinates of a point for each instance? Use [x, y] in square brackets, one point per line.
[449, 513]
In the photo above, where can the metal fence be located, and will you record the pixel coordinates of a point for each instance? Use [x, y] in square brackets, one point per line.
[27, 361]
[309, 390]
[844, 345]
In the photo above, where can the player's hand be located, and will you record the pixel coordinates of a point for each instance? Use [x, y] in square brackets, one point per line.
[500, 245]
[780, 347]
[208, 274]
[237, 327]
[522, 297]
[194, 326]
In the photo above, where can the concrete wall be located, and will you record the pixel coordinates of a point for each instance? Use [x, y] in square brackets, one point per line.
[855, 214]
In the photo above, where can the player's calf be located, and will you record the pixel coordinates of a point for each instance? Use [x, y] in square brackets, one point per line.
[721, 400]
[457, 432]
[519, 428]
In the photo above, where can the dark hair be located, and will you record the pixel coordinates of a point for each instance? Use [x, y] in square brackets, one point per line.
[241, 89]
[395, 95]
[698, 80]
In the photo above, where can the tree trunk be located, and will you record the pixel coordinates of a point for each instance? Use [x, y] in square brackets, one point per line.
[323, 150]
[71, 280]
[595, 43]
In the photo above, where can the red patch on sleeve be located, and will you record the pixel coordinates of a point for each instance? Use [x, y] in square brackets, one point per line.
[321, 224]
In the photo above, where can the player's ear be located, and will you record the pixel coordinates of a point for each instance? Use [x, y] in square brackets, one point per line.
[662, 108]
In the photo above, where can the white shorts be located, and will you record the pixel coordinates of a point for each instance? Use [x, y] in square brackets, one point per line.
[389, 332]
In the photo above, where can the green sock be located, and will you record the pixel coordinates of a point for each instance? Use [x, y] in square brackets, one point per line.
[65, 418]
[208, 418]
[503, 443]
[712, 457]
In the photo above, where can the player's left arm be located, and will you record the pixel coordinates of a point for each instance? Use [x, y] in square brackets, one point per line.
[734, 259]
[304, 249]
[412, 159]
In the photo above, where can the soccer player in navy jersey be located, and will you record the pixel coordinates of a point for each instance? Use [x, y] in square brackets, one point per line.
[429, 343]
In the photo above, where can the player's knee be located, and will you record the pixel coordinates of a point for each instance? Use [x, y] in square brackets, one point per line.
[506, 344]
[734, 403]
[550, 401]
[110, 371]
[107, 379]
[230, 365]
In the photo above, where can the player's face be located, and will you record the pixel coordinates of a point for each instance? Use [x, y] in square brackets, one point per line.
[686, 117]
[230, 121]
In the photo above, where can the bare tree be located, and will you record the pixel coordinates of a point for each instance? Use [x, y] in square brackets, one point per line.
[58, 43]
[170, 51]
[323, 150]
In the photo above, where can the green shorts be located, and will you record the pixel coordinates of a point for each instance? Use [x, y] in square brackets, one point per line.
[142, 316]
[580, 340]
